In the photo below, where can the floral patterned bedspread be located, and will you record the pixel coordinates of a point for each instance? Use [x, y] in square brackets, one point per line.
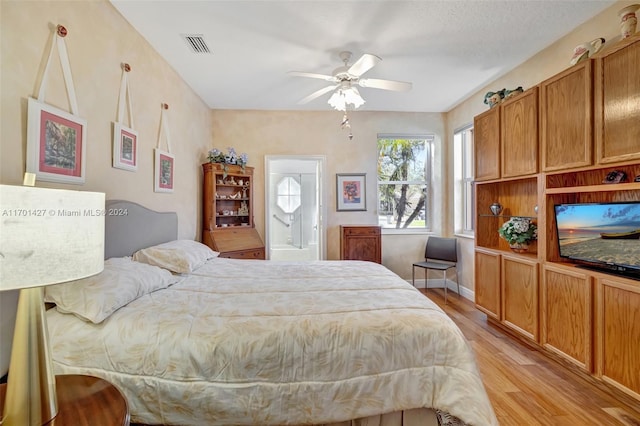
[267, 343]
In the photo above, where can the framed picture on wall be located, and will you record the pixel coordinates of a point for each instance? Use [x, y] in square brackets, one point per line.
[164, 171]
[351, 192]
[56, 144]
[125, 147]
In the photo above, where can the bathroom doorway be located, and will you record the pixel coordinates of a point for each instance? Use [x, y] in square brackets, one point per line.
[295, 209]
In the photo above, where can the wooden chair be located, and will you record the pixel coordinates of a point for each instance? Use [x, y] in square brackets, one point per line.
[441, 254]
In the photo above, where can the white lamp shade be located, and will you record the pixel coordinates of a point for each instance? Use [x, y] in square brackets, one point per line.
[345, 96]
[49, 236]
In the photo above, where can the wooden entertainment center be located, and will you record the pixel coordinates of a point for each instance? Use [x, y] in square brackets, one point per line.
[553, 144]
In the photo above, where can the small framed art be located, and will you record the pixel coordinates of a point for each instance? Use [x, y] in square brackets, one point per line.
[56, 144]
[350, 192]
[164, 171]
[125, 147]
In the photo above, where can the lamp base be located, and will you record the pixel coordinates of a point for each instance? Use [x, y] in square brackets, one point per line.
[31, 389]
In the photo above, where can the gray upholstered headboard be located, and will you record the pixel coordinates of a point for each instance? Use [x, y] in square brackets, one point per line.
[130, 227]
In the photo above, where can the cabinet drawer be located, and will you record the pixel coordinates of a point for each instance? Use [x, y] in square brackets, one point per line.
[244, 254]
[361, 231]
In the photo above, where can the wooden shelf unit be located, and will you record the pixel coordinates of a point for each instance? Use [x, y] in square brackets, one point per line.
[227, 215]
[589, 126]
[518, 197]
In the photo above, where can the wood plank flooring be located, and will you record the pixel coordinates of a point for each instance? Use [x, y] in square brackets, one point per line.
[526, 387]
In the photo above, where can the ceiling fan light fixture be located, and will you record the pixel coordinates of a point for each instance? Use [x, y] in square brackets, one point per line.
[344, 97]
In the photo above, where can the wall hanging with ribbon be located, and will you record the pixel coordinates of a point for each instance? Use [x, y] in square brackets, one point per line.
[125, 139]
[164, 169]
[56, 139]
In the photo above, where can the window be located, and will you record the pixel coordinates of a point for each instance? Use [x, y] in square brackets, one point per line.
[463, 174]
[404, 172]
[288, 198]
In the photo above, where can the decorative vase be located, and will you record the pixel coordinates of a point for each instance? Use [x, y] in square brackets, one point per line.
[628, 20]
[586, 50]
[496, 208]
[519, 247]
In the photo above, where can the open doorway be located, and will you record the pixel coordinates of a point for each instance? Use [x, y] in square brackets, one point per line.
[294, 208]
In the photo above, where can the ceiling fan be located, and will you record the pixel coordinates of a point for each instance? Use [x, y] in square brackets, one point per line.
[346, 77]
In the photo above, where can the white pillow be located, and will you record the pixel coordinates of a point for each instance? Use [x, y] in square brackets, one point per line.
[180, 256]
[122, 281]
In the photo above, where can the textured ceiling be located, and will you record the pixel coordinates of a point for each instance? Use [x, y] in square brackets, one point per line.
[447, 49]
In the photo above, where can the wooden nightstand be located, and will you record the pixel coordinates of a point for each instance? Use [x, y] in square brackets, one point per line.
[361, 242]
[85, 401]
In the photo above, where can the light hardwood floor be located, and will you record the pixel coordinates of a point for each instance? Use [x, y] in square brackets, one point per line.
[527, 388]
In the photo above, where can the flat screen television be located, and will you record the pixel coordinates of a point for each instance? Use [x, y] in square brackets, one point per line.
[603, 236]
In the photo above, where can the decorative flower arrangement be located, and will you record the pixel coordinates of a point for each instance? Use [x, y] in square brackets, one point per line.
[231, 157]
[519, 231]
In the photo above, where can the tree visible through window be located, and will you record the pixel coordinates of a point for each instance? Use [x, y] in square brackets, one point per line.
[403, 181]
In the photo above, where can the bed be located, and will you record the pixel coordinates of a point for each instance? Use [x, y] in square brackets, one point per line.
[253, 342]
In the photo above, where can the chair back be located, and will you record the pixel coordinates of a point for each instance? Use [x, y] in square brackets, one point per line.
[439, 248]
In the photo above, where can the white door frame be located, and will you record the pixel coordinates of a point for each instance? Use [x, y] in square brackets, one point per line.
[322, 214]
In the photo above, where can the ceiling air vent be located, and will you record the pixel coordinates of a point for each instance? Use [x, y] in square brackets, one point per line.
[196, 43]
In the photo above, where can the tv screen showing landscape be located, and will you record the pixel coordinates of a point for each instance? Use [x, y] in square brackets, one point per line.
[605, 234]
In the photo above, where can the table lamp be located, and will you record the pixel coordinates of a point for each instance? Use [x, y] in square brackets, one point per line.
[47, 236]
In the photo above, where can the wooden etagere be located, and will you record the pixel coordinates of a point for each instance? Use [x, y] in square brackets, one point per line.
[586, 125]
[228, 225]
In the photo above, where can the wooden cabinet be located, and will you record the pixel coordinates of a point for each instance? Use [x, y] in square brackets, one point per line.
[487, 279]
[506, 283]
[519, 135]
[618, 333]
[616, 107]
[565, 119]
[506, 138]
[589, 121]
[486, 139]
[228, 212]
[565, 314]
[520, 295]
[360, 242]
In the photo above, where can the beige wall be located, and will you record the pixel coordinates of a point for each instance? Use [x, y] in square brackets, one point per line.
[541, 66]
[261, 133]
[99, 40]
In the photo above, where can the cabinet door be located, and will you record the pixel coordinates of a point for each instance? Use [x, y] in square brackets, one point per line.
[486, 141]
[520, 295]
[361, 243]
[487, 283]
[565, 118]
[618, 333]
[519, 135]
[617, 109]
[565, 314]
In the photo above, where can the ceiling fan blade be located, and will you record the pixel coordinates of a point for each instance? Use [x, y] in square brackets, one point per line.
[364, 64]
[317, 94]
[375, 83]
[313, 75]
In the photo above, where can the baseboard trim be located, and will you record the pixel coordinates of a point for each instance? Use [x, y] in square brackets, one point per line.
[451, 285]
